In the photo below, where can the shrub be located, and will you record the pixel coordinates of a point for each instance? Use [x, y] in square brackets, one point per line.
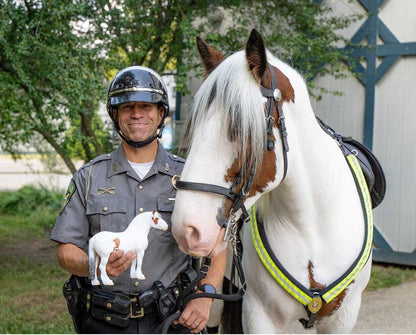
[38, 204]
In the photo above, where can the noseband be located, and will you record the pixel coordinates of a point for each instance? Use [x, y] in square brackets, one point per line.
[273, 96]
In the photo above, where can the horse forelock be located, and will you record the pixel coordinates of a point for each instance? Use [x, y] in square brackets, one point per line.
[232, 91]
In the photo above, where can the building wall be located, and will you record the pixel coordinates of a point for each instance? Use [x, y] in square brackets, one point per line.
[394, 126]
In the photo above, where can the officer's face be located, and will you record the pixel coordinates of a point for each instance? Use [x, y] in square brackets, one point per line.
[139, 120]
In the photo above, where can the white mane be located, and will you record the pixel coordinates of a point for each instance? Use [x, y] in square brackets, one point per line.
[232, 91]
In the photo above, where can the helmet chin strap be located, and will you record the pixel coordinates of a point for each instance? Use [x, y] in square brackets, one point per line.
[141, 144]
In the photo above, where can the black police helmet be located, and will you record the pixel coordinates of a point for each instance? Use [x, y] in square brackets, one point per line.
[137, 84]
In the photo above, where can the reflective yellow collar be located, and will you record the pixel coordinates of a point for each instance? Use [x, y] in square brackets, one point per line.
[313, 299]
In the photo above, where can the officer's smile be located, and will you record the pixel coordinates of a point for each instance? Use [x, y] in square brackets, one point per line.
[138, 124]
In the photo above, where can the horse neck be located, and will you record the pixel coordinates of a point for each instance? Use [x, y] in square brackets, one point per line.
[143, 225]
[316, 172]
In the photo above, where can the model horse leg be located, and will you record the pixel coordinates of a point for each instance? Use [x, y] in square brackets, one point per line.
[138, 269]
[104, 277]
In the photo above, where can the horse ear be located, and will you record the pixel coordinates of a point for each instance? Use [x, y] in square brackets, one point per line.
[256, 54]
[209, 56]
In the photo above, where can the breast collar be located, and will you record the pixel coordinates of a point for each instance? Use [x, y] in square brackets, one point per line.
[312, 298]
[273, 96]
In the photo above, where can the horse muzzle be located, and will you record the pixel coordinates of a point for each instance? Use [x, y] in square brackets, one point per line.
[189, 239]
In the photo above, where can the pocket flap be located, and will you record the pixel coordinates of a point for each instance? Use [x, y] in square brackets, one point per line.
[165, 204]
[105, 206]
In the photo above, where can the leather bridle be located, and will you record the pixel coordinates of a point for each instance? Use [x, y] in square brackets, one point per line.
[273, 96]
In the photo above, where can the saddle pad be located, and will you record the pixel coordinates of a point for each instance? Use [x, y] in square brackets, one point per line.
[372, 170]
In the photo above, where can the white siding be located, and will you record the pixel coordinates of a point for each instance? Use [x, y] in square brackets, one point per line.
[395, 146]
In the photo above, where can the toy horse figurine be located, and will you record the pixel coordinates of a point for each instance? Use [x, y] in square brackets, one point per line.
[134, 238]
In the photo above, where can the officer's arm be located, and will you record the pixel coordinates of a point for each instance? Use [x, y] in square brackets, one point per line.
[216, 271]
[196, 314]
[73, 259]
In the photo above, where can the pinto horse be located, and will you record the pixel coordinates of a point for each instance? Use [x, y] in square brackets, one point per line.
[257, 150]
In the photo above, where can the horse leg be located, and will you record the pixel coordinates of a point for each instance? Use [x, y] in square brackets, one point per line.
[104, 277]
[345, 318]
[133, 268]
[94, 264]
[138, 270]
[256, 319]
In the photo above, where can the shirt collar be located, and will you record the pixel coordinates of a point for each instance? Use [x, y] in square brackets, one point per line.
[119, 163]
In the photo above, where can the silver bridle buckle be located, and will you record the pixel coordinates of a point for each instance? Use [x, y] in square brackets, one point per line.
[230, 234]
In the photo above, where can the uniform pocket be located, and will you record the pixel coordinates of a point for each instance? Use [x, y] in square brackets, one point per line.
[165, 208]
[105, 213]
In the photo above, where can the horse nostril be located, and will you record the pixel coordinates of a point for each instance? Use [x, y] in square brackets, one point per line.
[192, 235]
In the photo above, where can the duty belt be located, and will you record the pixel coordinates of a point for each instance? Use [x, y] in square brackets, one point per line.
[138, 311]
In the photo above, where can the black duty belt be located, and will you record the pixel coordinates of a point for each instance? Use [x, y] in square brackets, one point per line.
[137, 310]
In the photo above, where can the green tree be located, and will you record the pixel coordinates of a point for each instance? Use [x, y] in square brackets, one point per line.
[51, 78]
[57, 56]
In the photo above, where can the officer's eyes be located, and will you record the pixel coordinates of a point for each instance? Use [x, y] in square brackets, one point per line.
[132, 106]
[125, 107]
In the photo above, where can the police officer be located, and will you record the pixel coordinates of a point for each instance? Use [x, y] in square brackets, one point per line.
[105, 195]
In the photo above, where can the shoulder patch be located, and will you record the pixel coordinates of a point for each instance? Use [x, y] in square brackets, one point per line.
[68, 194]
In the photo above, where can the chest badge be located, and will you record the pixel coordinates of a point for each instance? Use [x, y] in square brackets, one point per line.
[102, 190]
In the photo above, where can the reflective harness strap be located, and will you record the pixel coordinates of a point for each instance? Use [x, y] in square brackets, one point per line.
[312, 298]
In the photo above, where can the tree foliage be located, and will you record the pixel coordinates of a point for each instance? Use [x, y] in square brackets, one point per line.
[57, 56]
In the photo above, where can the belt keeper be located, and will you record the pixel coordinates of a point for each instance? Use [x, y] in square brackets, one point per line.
[137, 313]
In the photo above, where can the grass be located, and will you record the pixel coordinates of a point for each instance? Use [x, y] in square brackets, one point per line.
[31, 281]
[31, 299]
[31, 290]
[30, 278]
[383, 276]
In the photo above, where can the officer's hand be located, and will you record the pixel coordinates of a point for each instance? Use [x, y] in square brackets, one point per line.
[119, 261]
[196, 314]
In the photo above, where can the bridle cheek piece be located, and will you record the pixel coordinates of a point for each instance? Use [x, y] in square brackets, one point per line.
[273, 96]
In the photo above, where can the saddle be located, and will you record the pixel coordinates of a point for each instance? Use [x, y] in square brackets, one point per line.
[371, 167]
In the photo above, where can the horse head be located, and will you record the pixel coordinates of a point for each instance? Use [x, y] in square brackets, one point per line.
[233, 144]
[158, 222]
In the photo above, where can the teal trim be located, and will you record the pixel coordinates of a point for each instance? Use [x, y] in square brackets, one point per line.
[391, 50]
[380, 242]
[394, 257]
